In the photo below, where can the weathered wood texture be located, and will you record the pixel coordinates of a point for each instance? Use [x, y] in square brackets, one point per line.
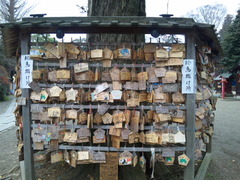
[203, 168]
[28, 152]
[190, 114]
[116, 8]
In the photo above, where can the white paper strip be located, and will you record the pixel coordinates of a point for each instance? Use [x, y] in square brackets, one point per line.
[189, 76]
[26, 71]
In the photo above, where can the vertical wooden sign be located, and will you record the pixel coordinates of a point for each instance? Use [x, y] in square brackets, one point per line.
[26, 71]
[189, 76]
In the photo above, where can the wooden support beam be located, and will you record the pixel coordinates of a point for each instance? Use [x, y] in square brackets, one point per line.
[134, 23]
[190, 116]
[203, 168]
[209, 145]
[114, 22]
[172, 127]
[28, 152]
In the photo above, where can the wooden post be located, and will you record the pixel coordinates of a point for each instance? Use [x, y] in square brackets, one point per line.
[28, 152]
[209, 145]
[190, 116]
[223, 87]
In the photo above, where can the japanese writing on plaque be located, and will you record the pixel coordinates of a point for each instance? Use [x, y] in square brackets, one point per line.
[189, 76]
[26, 71]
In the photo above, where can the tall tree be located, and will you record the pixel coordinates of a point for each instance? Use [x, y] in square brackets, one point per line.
[14, 10]
[231, 45]
[116, 8]
[227, 22]
[210, 14]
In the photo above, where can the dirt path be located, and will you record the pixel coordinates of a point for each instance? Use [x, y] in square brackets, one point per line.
[5, 104]
[225, 163]
[9, 165]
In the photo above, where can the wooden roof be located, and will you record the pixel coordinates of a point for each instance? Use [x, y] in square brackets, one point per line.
[106, 24]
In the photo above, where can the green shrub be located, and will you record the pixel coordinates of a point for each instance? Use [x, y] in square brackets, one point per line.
[3, 91]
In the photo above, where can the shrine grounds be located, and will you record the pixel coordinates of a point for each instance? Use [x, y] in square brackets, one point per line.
[225, 161]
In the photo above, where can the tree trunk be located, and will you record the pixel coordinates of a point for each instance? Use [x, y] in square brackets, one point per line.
[116, 8]
[12, 5]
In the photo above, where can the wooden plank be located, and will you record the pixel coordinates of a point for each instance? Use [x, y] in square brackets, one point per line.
[173, 127]
[28, 152]
[106, 149]
[112, 106]
[109, 170]
[203, 168]
[190, 116]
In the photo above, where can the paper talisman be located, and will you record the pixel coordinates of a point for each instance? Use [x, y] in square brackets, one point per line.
[35, 96]
[116, 141]
[44, 96]
[131, 86]
[161, 53]
[143, 76]
[63, 74]
[133, 137]
[142, 137]
[97, 118]
[114, 131]
[74, 157]
[152, 78]
[117, 85]
[99, 157]
[82, 119]
[101, 87]
[35, 87]
[125, 74]
[97, 54]
[52, 76]
[183, 160]
[160, 72]
[55, 91]
[169, 161]
[116, 94]
[71, 94]
[134, 123]
[142, 162]
[168, 152]
[83, 155]
[106, 76]
[107, 118]
[103, 96]
[179, 137]
[115, 74]
[103, 108]
[72, 114]
[81, 67]
[125, 158]
[54, 112]
[70, 137]
[151, 138]
[125, 133]
[124, 53]
[107, 54]
[56, 156]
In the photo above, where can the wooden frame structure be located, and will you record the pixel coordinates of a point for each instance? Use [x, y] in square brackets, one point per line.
[195, 33]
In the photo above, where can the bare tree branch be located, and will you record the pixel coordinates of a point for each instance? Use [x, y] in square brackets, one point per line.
[210, 14]
[14, 10]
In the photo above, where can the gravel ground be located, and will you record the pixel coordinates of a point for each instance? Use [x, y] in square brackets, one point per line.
[225, 161]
